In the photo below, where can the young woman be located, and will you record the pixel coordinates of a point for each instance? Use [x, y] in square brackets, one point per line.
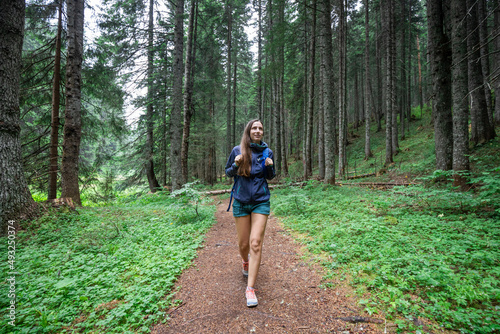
[251, 164]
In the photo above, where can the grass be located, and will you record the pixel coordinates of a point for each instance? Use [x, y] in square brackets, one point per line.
[409, 252]
[105, 269]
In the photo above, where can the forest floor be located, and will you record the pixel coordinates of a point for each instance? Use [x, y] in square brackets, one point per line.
[292, 298]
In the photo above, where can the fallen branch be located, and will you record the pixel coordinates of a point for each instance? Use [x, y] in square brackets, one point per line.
[377, 184]
[362, 319]
[360, 176]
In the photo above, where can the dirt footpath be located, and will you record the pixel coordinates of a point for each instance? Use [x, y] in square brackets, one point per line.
[288, 288]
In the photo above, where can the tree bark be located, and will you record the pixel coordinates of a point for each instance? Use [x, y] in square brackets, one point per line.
[440, 60]
[235, 85]
[188, 92]
[56, 100]
[368, 151]
[15, 198]
[260, 100]
[310, 108]
[321, 111]
[176, 114]
[284, 125]
[73, 123]
[150, 171]
[356, 117]
[393, 92]
[420, 94]
[485, 57]
[342, 91]
[459, 93]
[389, 86]
[280, 126]
[328, 89]
[229, 140]
[496, 74]
[379, 101]
[481, 128]
[403, 88]
[306, 94]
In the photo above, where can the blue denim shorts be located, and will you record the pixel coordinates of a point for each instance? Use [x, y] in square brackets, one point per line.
[244, 209]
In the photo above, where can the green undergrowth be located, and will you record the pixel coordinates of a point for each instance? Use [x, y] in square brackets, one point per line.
[104, 269]
[408, 252]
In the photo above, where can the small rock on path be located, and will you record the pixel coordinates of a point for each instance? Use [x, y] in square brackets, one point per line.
[288, 288]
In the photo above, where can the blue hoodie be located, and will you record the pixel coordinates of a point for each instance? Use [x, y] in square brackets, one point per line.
[251, 189]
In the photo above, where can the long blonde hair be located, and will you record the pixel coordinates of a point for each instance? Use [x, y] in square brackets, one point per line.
[246, 151]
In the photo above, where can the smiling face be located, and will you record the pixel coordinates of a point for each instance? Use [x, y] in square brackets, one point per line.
[256, 132]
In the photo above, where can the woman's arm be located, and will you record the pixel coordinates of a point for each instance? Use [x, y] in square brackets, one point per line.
[231, 167]
[270, 171]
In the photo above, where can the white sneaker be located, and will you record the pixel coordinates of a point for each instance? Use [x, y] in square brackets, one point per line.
[251, 297]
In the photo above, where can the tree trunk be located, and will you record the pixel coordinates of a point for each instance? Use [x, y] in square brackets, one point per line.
[310, 109]
[342, 90]
[284, 125]
[485, 58]
[188, 92]
[73, 122]
[356, 97]
[409, 88]
[368, 151]
[15, 198]
[379, 100]
[440, 60]
[420, 95]
[321, 108]
[481, 129]
[260, 100]
[56, 100]
[281, 126]
[150, 171]
[164, 146]
[303, 133]
[459, 93]
[403, 88]
[176, 114]
[497, 62]
[233, 115]
[328, 89]
[389, 86]
[276, 119]
[229, 142]
[393, 92]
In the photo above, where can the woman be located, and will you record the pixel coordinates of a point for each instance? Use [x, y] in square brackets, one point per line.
[251, 163]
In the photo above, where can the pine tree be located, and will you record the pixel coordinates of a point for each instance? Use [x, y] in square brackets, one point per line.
[15, 197]
[56, 100]
[188, 91]
[73, 118]
[459, 93]
[368, 152]
[176, 115]
[150, 170]
[440, 60]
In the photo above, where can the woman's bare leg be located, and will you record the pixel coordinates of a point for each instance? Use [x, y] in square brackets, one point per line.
[243, 225]
[257, 229]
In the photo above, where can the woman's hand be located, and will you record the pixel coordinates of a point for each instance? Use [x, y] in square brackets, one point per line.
[269, 162]
[238, 159]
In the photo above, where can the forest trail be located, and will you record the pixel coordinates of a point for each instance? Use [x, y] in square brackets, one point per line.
[290, 297]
